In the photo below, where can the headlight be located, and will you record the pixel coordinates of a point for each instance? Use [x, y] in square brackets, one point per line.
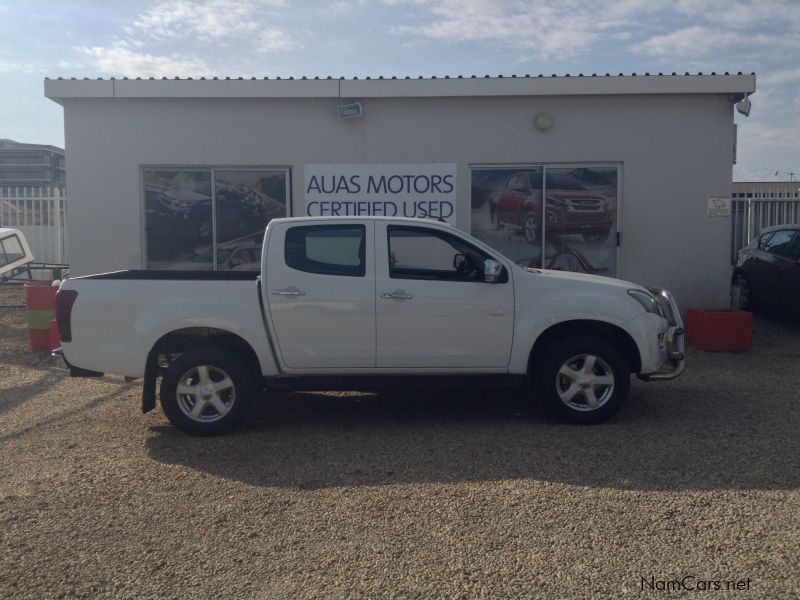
[647, 301]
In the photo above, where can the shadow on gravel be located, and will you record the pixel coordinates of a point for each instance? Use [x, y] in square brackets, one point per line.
[689, 434]
[17, 396]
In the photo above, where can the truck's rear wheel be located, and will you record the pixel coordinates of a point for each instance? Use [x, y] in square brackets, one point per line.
[583, 379]
[205, 391]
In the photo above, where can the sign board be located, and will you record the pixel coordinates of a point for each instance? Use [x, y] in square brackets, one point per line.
[719, 206]
[417, 190]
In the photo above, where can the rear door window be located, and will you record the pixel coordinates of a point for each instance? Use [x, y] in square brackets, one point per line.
[327, 249]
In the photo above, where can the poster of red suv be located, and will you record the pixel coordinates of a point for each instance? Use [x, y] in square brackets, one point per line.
[570, 212]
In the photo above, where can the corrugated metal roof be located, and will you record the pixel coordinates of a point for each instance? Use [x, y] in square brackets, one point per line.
[400, 87]
[381, 77]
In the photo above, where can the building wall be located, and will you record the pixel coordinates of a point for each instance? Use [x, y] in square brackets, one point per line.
[675, 150]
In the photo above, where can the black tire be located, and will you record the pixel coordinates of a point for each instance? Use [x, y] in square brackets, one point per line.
[220, 364]
[531, 228]
[549, 384]
[744, 294]
[596, 237]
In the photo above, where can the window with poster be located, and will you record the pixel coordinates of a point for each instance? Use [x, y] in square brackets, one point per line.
[549, 216]
[210, 217]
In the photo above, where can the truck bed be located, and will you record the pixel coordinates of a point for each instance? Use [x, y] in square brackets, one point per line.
[161, 275]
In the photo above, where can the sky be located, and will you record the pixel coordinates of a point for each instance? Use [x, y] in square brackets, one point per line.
[359, 38]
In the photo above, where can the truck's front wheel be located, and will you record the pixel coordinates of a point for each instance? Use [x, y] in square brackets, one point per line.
[583, 379]
[205, 391]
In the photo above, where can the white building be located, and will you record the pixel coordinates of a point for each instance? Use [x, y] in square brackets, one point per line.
[620, 175]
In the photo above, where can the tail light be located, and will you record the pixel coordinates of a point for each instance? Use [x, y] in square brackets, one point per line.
[64, 301]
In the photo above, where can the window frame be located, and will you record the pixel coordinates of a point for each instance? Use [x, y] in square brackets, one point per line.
[337, 270]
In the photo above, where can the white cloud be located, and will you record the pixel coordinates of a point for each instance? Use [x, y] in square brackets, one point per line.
[120, 60]
[759, 139]
[8, 66]
[696, 41]
[204, 21]
[66, 64]
[344, 6]
[549, 28]
[276, 40]
[780, 77]
[740, 14]
[689, 42]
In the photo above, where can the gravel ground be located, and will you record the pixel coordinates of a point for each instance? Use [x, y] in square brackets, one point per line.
[402, 495]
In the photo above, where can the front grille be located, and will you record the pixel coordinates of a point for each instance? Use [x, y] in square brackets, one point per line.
[586, 217]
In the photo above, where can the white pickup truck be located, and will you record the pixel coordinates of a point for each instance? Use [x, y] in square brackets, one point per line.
[366, 303]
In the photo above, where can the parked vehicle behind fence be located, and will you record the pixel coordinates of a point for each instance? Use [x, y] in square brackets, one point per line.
[767, 272]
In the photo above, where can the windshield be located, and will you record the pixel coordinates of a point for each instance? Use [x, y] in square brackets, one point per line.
[562, 182]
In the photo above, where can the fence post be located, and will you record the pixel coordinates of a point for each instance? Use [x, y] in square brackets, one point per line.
[59, 230]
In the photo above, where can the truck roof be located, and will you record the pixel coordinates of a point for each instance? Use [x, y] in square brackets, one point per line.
[416, 220]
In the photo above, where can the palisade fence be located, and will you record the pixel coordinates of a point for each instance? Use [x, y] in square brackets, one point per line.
[750, 215]
[40, 214]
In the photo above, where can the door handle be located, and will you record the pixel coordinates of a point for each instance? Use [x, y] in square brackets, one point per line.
[289, 292]
[397, 295]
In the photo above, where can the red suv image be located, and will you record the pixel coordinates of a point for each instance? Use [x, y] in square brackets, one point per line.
[569, 207]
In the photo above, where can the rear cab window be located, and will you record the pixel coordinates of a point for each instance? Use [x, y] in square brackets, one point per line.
[327, 249]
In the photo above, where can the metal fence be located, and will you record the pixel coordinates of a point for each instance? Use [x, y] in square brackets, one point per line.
[749, 216]
[40, 213]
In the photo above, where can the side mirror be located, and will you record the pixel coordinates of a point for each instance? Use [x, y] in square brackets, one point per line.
[492, 271]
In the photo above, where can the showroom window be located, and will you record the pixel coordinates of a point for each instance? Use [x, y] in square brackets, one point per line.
[549, 216]
[210, 218]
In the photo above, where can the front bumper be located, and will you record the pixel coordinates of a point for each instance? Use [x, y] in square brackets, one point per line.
[673, 340]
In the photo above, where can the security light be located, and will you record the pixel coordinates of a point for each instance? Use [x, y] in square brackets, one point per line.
[743, 106]
[350, 111]
[543, 121]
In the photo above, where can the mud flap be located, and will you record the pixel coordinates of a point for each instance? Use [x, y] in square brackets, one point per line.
[149, 387]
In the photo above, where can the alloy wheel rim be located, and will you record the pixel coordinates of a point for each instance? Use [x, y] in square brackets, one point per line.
[205, 393]
[530, 229]
[585, 382]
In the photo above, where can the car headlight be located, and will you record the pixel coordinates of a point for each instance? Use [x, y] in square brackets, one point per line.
[647, 301]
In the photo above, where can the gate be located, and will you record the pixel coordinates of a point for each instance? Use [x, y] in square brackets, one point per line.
[40, 214]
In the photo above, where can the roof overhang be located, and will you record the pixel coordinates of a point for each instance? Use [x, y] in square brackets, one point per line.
[67, 89]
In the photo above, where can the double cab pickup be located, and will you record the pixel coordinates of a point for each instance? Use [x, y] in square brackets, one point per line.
[367, 303]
